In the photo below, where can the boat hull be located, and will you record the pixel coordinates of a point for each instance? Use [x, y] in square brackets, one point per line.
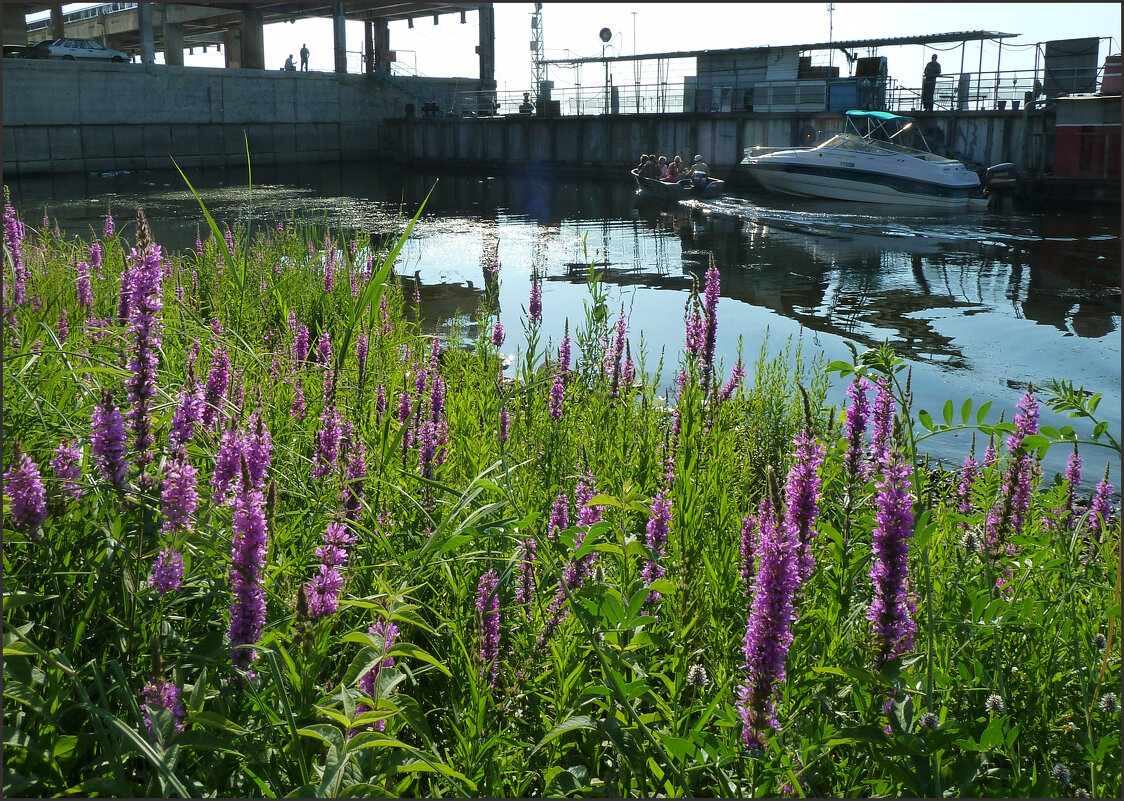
[858, 189]
[679, 190]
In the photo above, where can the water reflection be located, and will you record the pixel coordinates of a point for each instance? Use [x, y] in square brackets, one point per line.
[978, 304]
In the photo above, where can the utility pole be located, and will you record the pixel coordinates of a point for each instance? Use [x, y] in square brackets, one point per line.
[830, 36]
[635, 64]
[537, 51]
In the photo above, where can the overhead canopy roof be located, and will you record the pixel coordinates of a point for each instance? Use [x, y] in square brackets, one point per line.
[933, 38]
[281, 12]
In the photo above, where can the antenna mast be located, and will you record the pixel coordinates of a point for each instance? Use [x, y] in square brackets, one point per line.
[538, 69]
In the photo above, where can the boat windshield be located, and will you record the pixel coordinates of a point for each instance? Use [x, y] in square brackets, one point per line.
[860, 144]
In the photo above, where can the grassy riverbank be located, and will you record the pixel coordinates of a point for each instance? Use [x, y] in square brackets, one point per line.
[263, 537]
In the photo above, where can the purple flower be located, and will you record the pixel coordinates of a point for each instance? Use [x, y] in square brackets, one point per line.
[583, 494]
[229, 236]
[737, 373]
[991, 455]
[436, 398]
[108, 225]
[525, 584]
[559, 516]
[488, 610]
[802, 493]
[882, 420]
[189, 411]
[361, 350]
[748, 566]
[368, 683]
[83, 290]
[427, 447]
[356, 475]
[711, 293]
[694, 333]
[857, 416]
[67, 466]
[768, 633]
[1072, 481]
[217, 379]
[161, 693]
[564, 355]
[108, 440]
[257, 447]
[13, 239]
[324, 349]
[247, 562]
[497, 334]
[890, 609]
[300, 345]
[324, 589]
[534, 307]
[24, 487]
[1026, 421]
[179, 496]
[656, 537]
[297, 407]
[330, 267]
[505, 423]
[380, 401]
[1101, 509]
[228, 464]
[557, 395]
[167, 572]
[328, 438]
[96, 256]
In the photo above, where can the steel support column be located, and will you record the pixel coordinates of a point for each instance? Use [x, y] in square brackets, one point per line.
[15, 23]
[382, 44]
[253, 39]
[58, 25]
[487, 50]
[144, 23]
[173, 44]
[368, 47]
[339, 36]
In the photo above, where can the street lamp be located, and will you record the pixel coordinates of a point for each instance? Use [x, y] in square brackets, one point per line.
[606, 35]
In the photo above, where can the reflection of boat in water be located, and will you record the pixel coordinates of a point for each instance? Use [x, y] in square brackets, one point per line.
[682, 189]
[868, 164]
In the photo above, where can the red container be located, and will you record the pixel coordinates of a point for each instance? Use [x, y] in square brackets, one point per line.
[1110, 83]
[1087, 151]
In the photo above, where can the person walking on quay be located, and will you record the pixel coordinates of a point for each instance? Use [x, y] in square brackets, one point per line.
[929, 83]
[304, 58]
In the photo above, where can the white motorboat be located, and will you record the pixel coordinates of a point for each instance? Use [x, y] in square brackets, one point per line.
[868, 163]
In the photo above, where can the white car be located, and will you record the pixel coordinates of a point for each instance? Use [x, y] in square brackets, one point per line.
[71, 49]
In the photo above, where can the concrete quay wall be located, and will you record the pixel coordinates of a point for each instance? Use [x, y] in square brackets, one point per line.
[588, 145]
[63, 117]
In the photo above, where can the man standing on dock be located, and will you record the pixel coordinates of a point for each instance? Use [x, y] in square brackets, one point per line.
[304, 58]
[929, 83]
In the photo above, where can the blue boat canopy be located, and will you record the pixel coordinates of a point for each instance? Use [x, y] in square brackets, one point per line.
[878, 115]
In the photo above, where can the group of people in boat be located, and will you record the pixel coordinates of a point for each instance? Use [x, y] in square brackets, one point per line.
[658, 168]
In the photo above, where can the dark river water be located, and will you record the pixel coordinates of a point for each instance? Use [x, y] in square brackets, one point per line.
[979, 304]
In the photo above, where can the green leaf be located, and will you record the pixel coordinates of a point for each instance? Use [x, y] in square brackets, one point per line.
[966, 411]
[946, 412]
[569, 724]
[982, 413]
[925, 419]
[14, 600]
[213, 720]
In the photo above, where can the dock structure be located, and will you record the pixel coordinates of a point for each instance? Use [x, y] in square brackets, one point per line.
[140, 116]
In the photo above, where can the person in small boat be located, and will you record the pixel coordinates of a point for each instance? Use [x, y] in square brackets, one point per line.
[700, 173]
[672, 170]
[662, 164]
[640, 166]
[651, 169]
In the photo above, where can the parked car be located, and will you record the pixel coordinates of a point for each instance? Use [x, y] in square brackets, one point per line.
[19, 51]
[71, 49]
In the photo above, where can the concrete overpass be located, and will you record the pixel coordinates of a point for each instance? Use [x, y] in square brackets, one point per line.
[237, 29]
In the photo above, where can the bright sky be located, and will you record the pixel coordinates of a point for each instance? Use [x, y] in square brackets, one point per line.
[571, 30]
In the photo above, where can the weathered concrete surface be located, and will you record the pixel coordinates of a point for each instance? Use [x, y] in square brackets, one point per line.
[63, 116]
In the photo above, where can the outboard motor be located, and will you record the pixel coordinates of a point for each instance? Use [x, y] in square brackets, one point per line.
[1001, 183]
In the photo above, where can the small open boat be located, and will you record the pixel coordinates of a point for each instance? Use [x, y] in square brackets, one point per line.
[682, 189]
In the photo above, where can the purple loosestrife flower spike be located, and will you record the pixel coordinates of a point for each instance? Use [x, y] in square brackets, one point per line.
[323, 590]
[1072, 481]
[748, 567]
[217, 379]
[711, 293]
[368, 683]
[964, 490]
[857, 416]
[1101, 509]
[737, 373]
[427, 447]
[300, 345]
[297, 407]
[557, 395]
[328, 438]
[167, 572]
[189, 411]
[525, 584]
[257, 447]
[583, 494]
[13, 238]
[618, 352]
[361, 349]
[107, 440]
[890, 609]
[505, 423]
[991, 455]
[497, 334]
[247, 562]
[24, 487]
[559, 516]
[83, 290]
[534, 306]
[768, 633]
[436, 398]
[109, 228]
[564, 357]
[356, 476]
[882, 421]
[161, 694]
[179, 496]
[96, 256]
[380, 401]
[67, 466]
[488, 610]
[656, 532]
[228, 464]
[802, 494]
[324, 349]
